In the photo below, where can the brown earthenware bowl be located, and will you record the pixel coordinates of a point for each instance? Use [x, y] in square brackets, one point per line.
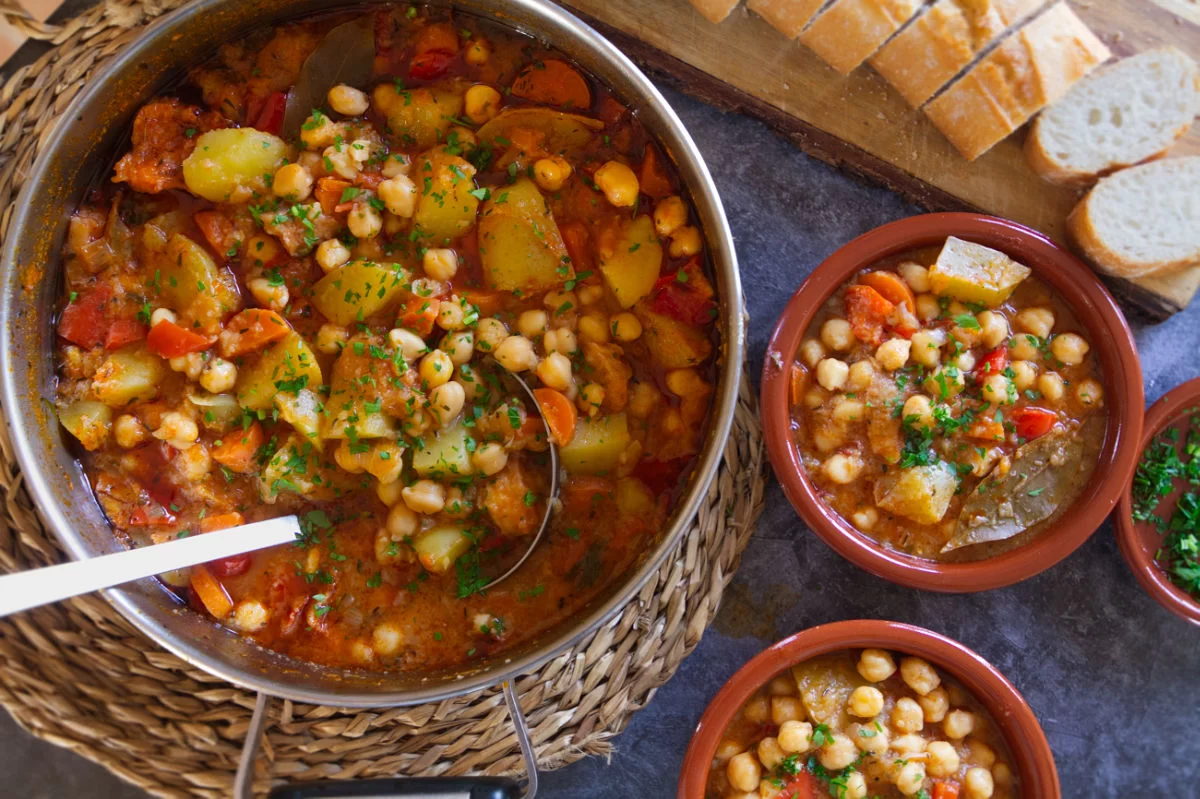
[1032, 758]
[1139, 542]
[1111, 341]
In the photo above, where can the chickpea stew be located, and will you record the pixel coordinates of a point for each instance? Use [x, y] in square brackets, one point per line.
[946, 403]
[858, 724]
[259, 321]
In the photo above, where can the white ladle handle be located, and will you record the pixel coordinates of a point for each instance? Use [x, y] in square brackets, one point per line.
[28, 589]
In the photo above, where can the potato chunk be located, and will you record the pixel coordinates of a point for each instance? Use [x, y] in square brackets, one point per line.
[597, 446]
[630, 259]
[353, 292]
[920, 493]
[973, 273]
[128, 375]
[228, 165]
[420, 117]
[519, 242]
[288, 365]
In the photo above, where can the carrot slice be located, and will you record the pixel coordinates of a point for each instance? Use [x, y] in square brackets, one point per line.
[221, 521]
[559, 413]
[579, 246]
[945, 790]
[251, 330]
[488, 302]
[329, 193]
[218, 231]
[419, 314]
[867, 312]
[891, 287]
[237, 450]
[652, 177]
[553, 82]
[169, 340]
[211, 593]
[799, 379]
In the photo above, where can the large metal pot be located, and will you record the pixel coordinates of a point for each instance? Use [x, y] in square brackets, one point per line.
[81, 147]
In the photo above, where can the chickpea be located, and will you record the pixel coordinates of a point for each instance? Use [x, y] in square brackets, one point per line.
[927, 347]
[934, 705]
[1036, 321]
[838, 753]
[968, 335]
[948, 381]
[591, 294]
[743, 772]
[410, 345]
[478, 51]
[670, 214]
[516, 354]
[532, 324]
[451, 315]
[267, 294]
[1002, 774]
[1069, 348]
[593, 326]
[350, 461]
[815, 397]
[907, 715]
[795, 736]
[591, 397]
[1026, 347]
[389, 493]
[870, 738]
[842, 469]
[849, 411]
[387, 638]
[340, 160]
[993, 329]
[866, 702]
[978, 783]
[998, 390]
[129, 431]
[219, 376]
[1025, 374]
[163, 315]
[364, 221]
[481, 103]
[860, 376]
[965, 362]
[561, 340]
[555, 371]
[191, 365]
[619, 184]
[837, 335]
[727, 749]
[910, 778]
[786, 708]
[551, 173]
[979, 753]
[769, 753]
[876, 665]
[626, 327]
[832, 374]
[781, 685]
[436, 369]
[440, 264]
[942, 759]
[828, 440]
[394, 165]
[490, 458]
[424, 496]
[916, 276]
[348, 101]
[489, 334]
[399, 195]
[1051, 386]
[319, 131]
[446, 401]
[893, 354]
[811, 352]
[856, 786]
[919, 675]
[685, 241]
[459, 345]
[918, 413]
[331, 254]
[928, 307]
[958, 724]
[249, 616]
[909, 745]
[865, 519]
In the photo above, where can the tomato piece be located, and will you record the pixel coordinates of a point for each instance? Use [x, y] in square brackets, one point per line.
[169, 340]
[83, 321]
[238, 448]
[986, 429]
[993, 363]
[122, 332]
[1032, 422]
[270, 117]
[152, 514]
[430, 65]
[802, 786]
[676, 299]
[653, 179]
[231, 566]
[868, 312]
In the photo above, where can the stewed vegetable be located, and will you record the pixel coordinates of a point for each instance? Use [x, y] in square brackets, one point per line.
[273, 309]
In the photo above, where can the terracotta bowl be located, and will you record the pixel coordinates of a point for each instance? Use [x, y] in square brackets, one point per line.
[1032, 758]
[1140, 542]
[1111, 341]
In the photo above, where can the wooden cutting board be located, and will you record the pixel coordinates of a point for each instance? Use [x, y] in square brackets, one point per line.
[861, 123]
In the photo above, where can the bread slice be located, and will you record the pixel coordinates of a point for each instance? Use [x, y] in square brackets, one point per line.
[849, 31]
[789, 17]
[1121, 115]
[715, 10]
[948, 36]
[1144, 220]
[1034, 67]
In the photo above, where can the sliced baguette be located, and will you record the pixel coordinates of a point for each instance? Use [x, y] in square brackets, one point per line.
[849, 31]
[789, 17]
[948, 36]
[1124, 114]
[1034, 67]
[1144, 220]
[715, 10]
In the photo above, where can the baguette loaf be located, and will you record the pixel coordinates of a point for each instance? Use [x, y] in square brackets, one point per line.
[1144, 220]
[927, 54]
[715, 10]
[1124, 114]
[849, 31]
[789, 17]
[1029, 70]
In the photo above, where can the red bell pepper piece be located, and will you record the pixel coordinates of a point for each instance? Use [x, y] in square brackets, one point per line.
[270, 116]
[231, 566]
[122, 332]
[83, 321]
[676, 299]
[1032, 422]
[802, 786]
[169, 340]
[430, 65]
[993, 363]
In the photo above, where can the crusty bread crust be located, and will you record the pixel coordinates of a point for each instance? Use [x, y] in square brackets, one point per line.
[849, 31]
[1027, 71]
[715, 11]
[789, 17]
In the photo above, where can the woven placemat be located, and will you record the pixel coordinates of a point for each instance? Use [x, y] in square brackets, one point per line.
[80, 676]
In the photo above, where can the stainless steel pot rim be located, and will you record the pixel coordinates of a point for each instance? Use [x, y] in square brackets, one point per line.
[720, 242]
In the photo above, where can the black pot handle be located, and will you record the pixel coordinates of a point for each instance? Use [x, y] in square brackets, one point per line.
[396, 787]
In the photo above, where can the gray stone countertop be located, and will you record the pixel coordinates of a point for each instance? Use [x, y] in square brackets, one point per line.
[1110, 674]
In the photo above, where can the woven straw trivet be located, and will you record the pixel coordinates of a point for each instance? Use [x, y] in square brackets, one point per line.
[80, 676]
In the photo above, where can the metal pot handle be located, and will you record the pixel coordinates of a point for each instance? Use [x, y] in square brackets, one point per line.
[398, 787]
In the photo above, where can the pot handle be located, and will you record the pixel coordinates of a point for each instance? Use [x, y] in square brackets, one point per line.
[397, 787]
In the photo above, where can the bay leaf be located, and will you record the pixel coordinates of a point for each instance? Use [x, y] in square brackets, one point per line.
[1044, 474]
[345, 55]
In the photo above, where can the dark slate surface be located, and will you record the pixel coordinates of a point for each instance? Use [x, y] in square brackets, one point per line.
[1111, 675]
